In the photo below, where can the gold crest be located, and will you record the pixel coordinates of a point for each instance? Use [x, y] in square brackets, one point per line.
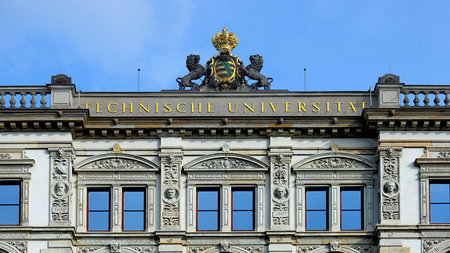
[225, 42]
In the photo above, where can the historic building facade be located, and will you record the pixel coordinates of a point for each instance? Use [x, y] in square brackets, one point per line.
[225, 167]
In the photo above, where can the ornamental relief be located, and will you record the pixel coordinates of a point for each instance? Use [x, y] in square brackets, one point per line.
[225, 247]
[5, 156]
[436, 246]
[334, 163]
[390, 184]
[170, 187]
[226, 163]
[280, 165]
[116, 164]
[60, 184]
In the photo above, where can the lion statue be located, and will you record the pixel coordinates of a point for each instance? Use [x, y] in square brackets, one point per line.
[196, 71]
[253, 72]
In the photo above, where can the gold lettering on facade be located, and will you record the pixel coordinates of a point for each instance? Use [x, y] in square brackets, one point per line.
[210, 107]
[248, 107]
[301, 107]
[287, 104]
[262, 106]
[167, 107]
[363, 104]
[229, 107]
[338, 105]
[350, 105]
[156, 107]
[124, 107]
[316, 107]
[274, 109]
[109, 107]
[178, 107]
[98, 107]
[199, 107]
[87, 105]
[141, 106]
[328, 106]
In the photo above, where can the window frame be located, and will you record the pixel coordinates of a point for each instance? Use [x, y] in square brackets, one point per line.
[436, 181]
[243, 188]
[134, 189]
[327, 210]
[98, 189]
[219, 214]
[351, 188]
[19, 183]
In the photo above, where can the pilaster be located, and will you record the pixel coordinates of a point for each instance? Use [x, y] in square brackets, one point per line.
[60, 187]
[390, 185]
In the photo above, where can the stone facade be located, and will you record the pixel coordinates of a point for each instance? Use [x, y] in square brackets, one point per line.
[390, 144]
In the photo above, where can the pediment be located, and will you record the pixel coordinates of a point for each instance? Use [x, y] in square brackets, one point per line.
[116, 162]
[334, 160]
[225, 162]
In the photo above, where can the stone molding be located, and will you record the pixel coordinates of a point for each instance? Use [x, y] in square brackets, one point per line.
[434, 164]
[115, 170]
[15, 165]
[334, 160]
[116, 162]
[225, 162]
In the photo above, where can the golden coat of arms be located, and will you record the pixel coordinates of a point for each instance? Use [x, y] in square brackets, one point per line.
[224, 72]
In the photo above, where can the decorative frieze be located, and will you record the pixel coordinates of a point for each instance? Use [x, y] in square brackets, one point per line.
[5, 156]
[280, 165]
[61, 165]
[225, 247]
[170, 187]
[435, 245]
[20, 246]
[389, 183]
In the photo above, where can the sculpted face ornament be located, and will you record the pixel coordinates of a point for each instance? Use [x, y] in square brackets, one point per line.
[170, 195]
[60, 189]
[390, 188]
[224, 72]
[280, 194]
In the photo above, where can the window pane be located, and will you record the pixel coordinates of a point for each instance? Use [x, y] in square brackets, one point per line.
[133, 200]
[99, 221]
[9, 194]
[351, 220]
[98, 200]
[351, 199]
[316, 200]
[133, 221]
[208, 200]
[440, 193]
[440, 213]
[9, 215]
[243, 220]
[242, 200]
[316, 220]
[208, 220]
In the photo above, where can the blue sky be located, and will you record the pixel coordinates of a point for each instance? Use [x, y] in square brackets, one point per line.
[344, 44]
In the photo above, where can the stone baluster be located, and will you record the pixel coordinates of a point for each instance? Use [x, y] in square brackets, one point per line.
[406, 99]
[426, 100]
[33, 100]
[43, 100]
[416, 98]
[447, 99]
[436, 100]
[23, 101]
[12, 101]
[2, 100]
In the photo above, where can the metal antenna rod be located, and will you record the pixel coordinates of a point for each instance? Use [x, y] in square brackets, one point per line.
[304, 77]
[139, 79]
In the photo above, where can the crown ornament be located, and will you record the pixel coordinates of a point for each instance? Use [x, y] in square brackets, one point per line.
[225, 42]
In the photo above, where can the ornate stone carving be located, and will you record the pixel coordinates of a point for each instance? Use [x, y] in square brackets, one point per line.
[5, 156]
[334, 163]
[335, 246]
[143, 249]
[306, 249]
[280, 169]
[226, 163]
[225, 247]
[61, 79]
[443, 154]
[88, 249]
[389, 78]
[198, 249]
[428, 245]
[390, 183]
[20, 246]
[170, 187]
[115, 247]
[116, 164]
[61, 159]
